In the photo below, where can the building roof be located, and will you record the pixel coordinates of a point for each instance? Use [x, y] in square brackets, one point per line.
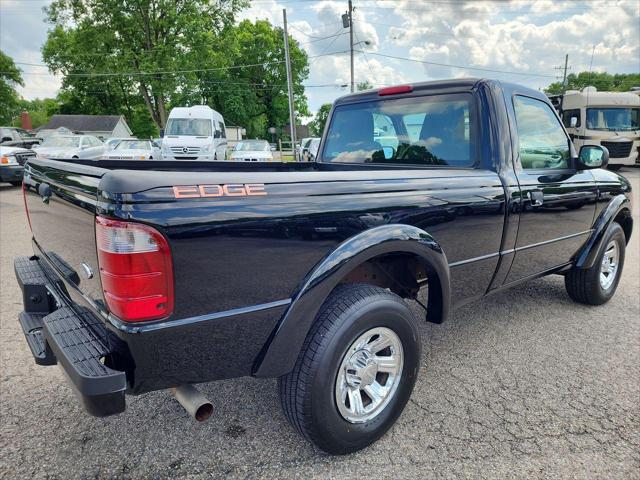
[84, 123]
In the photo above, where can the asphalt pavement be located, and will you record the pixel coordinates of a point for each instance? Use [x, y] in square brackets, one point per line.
[524, 384]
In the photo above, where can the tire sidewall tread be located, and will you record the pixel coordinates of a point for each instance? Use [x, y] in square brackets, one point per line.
[307, 393]
[583, 285]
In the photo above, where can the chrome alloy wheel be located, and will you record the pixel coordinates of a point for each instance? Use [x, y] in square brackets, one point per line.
[369, 375]
[609, 266]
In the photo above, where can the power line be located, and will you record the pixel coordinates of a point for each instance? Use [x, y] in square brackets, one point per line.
[319, 39]
[366, 59]
[167, 72]
[326, 49]
[465, 67]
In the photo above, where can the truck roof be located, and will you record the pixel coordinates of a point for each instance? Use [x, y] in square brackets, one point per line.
[438, 86]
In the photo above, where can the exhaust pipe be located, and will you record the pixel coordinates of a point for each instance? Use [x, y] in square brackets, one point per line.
[193, 402]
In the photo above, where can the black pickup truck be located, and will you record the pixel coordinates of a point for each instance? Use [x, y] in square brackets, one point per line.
[157, 275]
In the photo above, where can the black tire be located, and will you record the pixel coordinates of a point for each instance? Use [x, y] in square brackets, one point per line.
[614, 168]
[16, 184]
[584, 286]
[307, 394]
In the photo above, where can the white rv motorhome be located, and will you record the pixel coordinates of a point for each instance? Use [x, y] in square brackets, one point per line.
[194, 133]
[610, 119]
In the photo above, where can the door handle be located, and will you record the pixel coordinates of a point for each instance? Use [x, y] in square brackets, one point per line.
[536, 197]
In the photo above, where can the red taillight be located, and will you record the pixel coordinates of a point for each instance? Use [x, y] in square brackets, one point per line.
[135, 270]
[26, 209]
[395, 90]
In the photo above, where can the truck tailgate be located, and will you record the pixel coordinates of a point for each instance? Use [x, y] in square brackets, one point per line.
[61, 201]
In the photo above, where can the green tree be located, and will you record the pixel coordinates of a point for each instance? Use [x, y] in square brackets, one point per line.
[317, 124]
[10, 77]
[253, 96]
[363, 86]
[605, 82]
[112, 53]
[40, 110]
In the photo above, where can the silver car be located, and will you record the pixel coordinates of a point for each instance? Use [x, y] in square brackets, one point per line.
[252, 151]
[111, 142]
[135, 150]
[71, 146]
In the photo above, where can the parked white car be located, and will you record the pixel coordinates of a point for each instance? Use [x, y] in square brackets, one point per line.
[252, 151]
[71, 146]
[304, 143]
[310, 152]
[135, 150]
[194, 133]
[111, 142]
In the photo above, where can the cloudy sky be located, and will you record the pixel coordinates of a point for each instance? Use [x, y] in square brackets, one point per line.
[408, 40]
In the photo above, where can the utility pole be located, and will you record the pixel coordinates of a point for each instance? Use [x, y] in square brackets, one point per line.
[351, 43]
[564, 78]
[292, 113]
[564, 69]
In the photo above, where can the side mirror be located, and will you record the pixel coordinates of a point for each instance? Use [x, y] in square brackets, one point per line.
[217, 134]
[161, 132]
[573, 122]
[7, 139]
[593, 156]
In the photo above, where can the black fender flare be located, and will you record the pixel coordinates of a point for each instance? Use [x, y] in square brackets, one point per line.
[586, 256]
[279, 354]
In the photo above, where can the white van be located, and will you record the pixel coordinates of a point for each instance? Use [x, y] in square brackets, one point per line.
[610, 119]
[194, 133]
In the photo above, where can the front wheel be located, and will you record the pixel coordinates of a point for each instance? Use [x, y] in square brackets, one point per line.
[16, 184]
[614, 168]
[356, 370]
[596, 285]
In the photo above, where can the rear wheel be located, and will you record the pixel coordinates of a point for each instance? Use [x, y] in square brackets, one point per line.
[596, 285]
[16, 184]
[355, 371]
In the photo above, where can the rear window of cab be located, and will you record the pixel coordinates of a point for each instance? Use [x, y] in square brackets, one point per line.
[436, 130]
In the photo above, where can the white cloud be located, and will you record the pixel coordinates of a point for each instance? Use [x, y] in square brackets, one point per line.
[517, 36]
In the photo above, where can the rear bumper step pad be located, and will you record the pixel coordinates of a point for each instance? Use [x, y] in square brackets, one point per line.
[77, 340]
[32, 325]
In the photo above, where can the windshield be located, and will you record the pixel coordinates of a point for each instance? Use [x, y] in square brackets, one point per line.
[613, 119]
[69, 142]
[253, 146]
[428, 130]
[133, 145]
[191, 127]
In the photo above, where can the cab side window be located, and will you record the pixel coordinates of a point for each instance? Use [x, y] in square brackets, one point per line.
[543, 142]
